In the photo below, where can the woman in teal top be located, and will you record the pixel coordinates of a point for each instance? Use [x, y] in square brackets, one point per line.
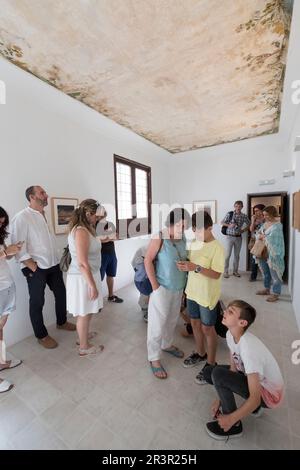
[273, 268]
[171, 252]
[167, 282]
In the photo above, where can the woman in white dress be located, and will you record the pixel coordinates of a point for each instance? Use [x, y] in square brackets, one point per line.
[84, 291]
[7, 295]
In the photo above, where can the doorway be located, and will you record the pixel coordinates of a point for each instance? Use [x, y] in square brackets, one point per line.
[281, 202]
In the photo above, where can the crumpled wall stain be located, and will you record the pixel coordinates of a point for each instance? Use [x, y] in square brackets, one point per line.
[184, 75]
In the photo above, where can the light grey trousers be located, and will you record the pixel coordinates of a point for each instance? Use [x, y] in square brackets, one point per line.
[236, 244]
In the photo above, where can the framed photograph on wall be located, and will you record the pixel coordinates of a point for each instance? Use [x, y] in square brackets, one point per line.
[62, 209]
[208, 206]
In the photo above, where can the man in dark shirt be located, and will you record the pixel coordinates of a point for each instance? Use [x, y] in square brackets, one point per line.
[107, 233]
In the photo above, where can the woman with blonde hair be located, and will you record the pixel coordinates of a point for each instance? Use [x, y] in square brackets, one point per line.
[273, 268]
[84, 292]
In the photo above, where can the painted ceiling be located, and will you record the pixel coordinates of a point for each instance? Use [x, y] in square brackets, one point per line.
[184, 74]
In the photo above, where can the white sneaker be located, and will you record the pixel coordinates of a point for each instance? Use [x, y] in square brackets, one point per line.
[13, 363]
[5, 386]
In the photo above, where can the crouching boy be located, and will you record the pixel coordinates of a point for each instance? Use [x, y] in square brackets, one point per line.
[253, 374]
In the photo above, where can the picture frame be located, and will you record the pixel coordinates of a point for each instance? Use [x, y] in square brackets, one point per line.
[62, 209]
[208, 206]
[296, 210]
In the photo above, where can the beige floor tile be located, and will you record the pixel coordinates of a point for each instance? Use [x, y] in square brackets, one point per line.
[271, 436]
[278, 416]
[14, 416]
[47, 368]
[37, 394]
[37, 436]
[113, 401]
[295, 442]
[75, 426]
[294, 421]
[56, 414]
[293, 398]
[99, 401]
[101, 437]
[73, 386]
[166, 412]
[165, 439]
[118, 417]
[139, 432]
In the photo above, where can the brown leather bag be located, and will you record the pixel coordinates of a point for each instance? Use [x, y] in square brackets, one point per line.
[259, 250]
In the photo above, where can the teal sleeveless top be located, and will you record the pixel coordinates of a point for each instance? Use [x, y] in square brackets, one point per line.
[167, 273]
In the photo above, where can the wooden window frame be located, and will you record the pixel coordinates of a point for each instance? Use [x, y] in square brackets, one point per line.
[133, 165]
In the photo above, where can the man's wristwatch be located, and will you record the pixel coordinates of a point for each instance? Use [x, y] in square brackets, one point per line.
[198, 269]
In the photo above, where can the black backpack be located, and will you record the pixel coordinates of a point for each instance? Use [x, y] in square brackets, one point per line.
[224, 228]
[221, 329]
[65, 260]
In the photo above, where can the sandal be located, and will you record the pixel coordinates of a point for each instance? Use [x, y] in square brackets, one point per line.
[155, 370]
[89, 351]
[272, 298]
[175, 352]
[5, 386]
[13, 363]
[91, 335]
[263, 292]
[115, 298]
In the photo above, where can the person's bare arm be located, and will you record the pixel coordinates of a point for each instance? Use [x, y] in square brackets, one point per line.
[189, 266]
[82, 243]
[19, 232]
[9, 251]
[150, 256]
[31, 264]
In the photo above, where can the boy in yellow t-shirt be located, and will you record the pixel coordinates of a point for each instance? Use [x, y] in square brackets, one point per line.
[205, 266]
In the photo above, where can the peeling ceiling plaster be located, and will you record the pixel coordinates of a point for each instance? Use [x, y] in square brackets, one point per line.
[184, 74]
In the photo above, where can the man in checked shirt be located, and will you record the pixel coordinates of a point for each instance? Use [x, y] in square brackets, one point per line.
[237, 223]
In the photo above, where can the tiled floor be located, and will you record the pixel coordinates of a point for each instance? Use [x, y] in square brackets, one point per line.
[112, 401]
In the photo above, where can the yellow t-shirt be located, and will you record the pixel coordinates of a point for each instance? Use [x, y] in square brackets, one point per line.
[202, 289]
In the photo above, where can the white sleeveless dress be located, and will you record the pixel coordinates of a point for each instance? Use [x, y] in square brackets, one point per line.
[78, 300]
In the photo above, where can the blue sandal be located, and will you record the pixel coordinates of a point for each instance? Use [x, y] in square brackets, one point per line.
[158, 369]
[175, 352]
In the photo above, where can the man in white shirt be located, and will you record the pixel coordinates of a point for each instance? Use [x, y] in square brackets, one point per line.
[41, 264]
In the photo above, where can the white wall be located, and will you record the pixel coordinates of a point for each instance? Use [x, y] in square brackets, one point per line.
[294, 234]
[290, 128]
[47, 138]
[226, 173]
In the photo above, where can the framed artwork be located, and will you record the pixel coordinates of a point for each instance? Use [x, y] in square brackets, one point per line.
[208, 206]
[296, 210]
[62, 209]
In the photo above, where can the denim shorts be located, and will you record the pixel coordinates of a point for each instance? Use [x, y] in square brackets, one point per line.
[108, 265]
[204, 314]
[7, 300]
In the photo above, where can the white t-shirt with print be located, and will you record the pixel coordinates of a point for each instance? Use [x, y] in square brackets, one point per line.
[251, 356]
[6, 279]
